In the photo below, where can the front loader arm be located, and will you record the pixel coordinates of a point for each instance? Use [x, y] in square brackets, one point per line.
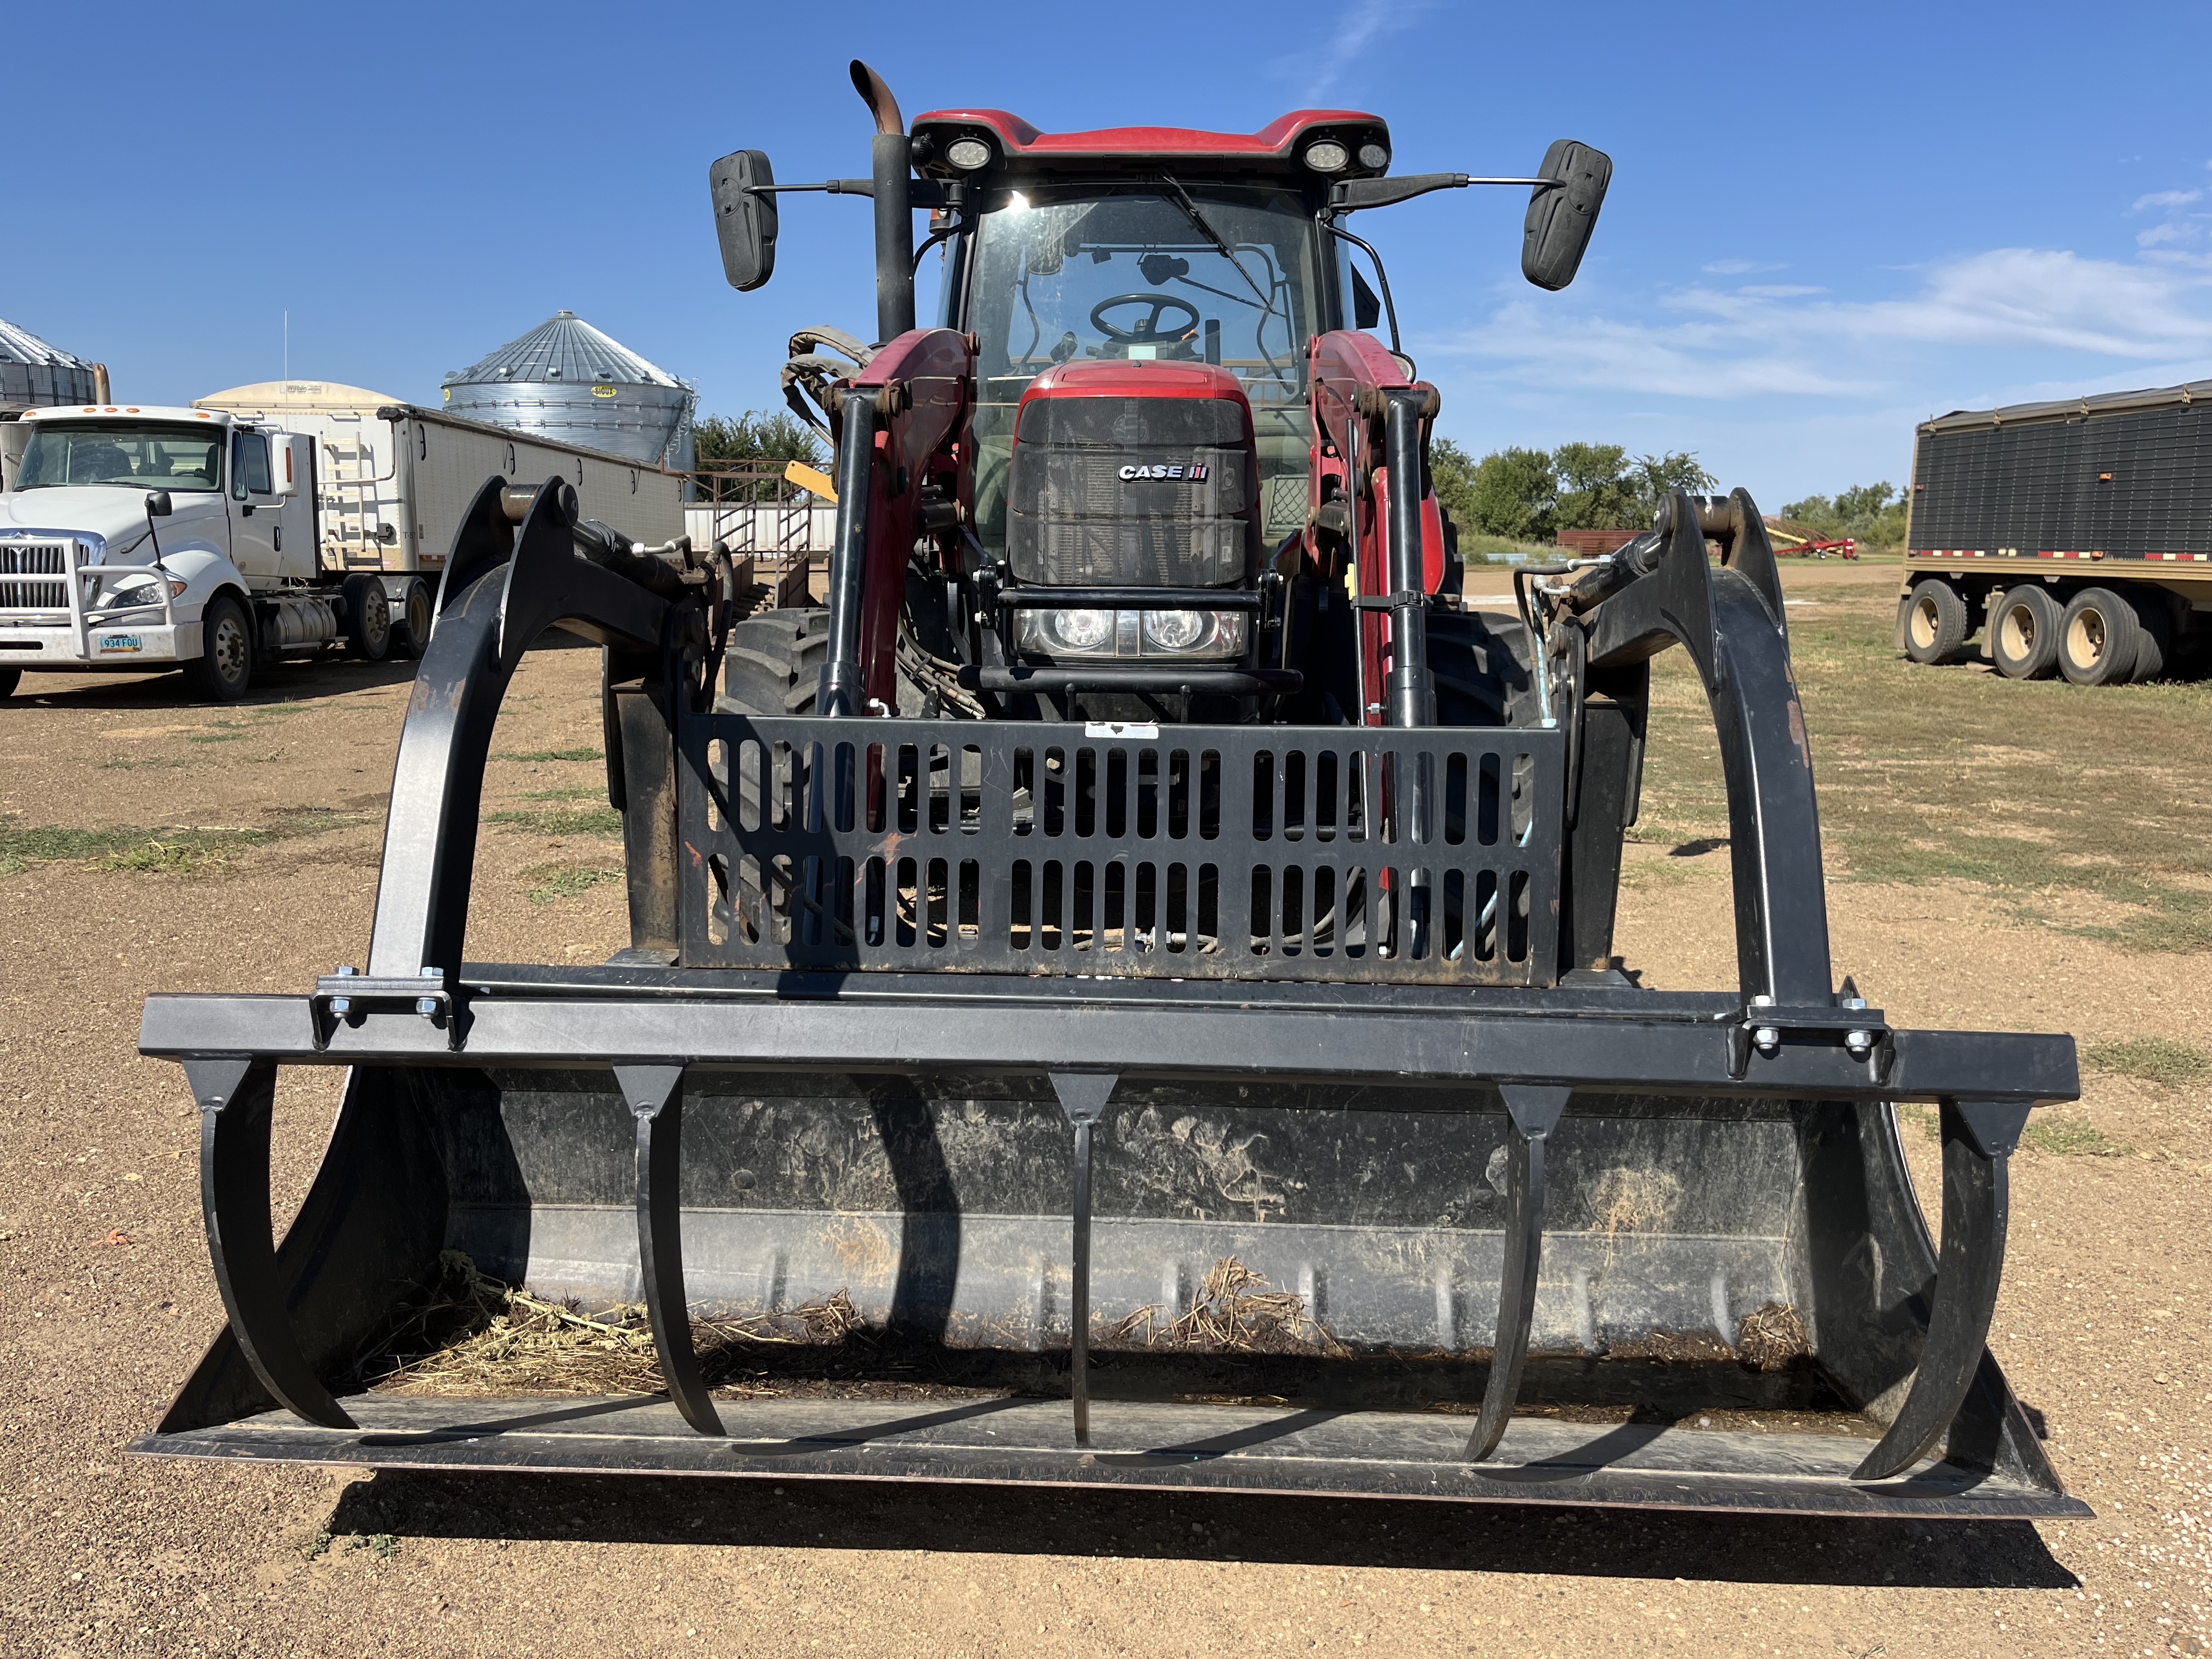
[1371, 428]
[894, 423]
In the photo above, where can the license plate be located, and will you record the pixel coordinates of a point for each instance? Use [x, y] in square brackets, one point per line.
[121, 643]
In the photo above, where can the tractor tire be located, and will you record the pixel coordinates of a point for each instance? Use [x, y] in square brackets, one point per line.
[10, 679]
[367, 618]
[411, 626]
[1477, 662]
[2099, 638]
[2155, 649]
[2024, 633]
[773, 665]
[1935, 622]
[223, 671]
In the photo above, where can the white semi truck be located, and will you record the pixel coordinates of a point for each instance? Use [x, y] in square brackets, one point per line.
[277, 521]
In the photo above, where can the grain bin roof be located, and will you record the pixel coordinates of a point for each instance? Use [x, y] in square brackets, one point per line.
[19, 345]
[563, 349]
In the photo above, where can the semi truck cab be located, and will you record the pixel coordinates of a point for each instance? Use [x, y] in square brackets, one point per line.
[134, 538]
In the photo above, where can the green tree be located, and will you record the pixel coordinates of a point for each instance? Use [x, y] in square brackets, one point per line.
[771, 437]
[1514, 493]
[1874, 513]
[1596, 492]
[1655, 478]
[1451, 475]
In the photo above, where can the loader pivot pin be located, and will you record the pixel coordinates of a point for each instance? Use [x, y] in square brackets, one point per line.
[1083, 1097]
[655, 1096]
[1534, 1109]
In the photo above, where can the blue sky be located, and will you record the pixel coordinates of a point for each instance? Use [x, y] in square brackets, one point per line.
[1825, 223]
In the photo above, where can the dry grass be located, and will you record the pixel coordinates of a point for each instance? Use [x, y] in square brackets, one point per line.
[2079, 808]
[1233, 1310]
[478, 1336]
[1771, 1338]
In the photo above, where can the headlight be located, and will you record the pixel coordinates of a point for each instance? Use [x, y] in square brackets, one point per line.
[1374, 157]
[1127, 634]
[1176, 631]
[1328, 156]
[968, 154]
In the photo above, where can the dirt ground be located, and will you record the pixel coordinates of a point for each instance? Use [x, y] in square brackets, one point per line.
[199, 848]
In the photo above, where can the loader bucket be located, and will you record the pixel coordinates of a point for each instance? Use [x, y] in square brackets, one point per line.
[1228, 1107]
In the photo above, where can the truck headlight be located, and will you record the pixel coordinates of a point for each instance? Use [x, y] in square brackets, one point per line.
[1067, 633]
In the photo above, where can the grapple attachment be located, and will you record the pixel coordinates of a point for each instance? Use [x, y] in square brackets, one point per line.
[1222, 1106]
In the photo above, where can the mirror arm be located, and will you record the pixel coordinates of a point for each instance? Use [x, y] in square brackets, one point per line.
[921, 193]
[1355, 193]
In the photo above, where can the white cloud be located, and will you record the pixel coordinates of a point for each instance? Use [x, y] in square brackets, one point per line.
[1365, 22]
[1731, 344]
[2167, 198]
[1778, 290]
[1745, 267]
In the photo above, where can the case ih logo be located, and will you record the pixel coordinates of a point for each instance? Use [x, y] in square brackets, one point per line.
[1195, 473]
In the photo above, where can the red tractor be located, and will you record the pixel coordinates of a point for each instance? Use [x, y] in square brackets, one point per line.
[1143, 911]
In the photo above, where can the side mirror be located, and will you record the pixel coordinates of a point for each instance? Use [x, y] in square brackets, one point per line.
[1561, 218]
[157, 504]
[744, 219]
[284, 471]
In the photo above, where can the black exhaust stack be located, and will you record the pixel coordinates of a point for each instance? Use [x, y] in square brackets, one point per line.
[893, 156]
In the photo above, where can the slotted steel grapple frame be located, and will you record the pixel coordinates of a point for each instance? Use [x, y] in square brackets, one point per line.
[773, 1086]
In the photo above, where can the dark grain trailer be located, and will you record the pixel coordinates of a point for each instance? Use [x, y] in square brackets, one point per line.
[2074, 537]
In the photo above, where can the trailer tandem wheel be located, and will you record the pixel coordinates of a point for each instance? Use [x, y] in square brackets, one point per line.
[1935, 622]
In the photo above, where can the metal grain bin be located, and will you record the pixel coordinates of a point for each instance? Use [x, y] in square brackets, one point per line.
[33, 375]
[566, 380]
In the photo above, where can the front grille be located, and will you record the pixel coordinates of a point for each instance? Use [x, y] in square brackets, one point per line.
[1073, 519]
[34, 596]
[34, 558]
[1426, 856]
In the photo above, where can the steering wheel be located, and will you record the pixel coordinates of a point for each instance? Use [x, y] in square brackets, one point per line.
[1147, 332]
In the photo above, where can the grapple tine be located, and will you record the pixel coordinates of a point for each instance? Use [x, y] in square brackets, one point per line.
[1083, 1097]
[1978, 1138]
[1534, 1111]
[655, 1096]
[236, 1096]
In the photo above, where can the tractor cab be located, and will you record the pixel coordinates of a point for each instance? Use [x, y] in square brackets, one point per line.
[1149, 496]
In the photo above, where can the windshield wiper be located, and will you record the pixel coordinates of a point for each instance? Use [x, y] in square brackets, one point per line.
[1221, 243]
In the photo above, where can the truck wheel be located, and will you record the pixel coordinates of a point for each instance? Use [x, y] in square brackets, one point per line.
[2155, 648]
[1935, 622]
[2098, 638]
[2024, 634]
[224, 668]
[411, 626]
[367, 618]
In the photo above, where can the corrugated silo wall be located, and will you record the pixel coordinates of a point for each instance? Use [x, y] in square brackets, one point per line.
[44, 384]
[637, 421]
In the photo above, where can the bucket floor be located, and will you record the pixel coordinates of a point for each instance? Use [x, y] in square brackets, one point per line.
[1134, 1444]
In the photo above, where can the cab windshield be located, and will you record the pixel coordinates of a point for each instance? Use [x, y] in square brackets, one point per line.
[1203, 273]
[137, 456]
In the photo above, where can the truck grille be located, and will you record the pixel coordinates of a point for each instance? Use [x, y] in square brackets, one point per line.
[47, 559]
[34, 596]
